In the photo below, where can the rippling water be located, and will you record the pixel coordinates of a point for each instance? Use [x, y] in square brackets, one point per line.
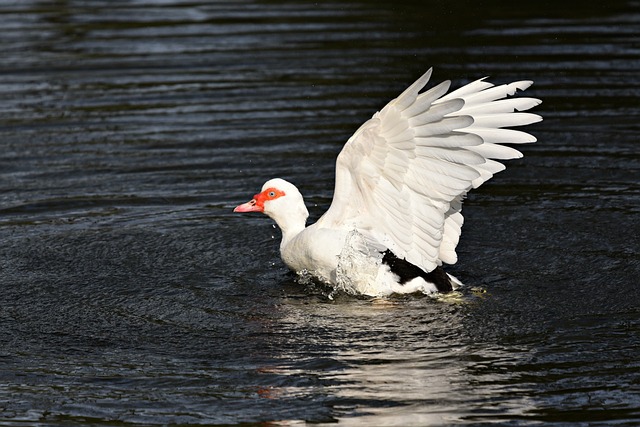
[132, 295]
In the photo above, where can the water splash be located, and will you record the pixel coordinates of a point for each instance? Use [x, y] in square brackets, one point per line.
[358, 255]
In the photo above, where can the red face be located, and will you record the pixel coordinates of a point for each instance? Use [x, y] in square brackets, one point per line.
[257, 203]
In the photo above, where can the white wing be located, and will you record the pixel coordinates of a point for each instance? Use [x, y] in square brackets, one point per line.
[401, 178]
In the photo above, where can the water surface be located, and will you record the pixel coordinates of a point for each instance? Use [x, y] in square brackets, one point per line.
[132, 295]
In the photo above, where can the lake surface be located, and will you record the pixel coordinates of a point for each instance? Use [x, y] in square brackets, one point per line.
[130, 294]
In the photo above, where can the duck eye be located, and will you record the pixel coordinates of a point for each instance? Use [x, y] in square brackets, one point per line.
[272, 194]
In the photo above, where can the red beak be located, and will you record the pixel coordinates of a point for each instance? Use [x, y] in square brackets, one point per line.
[250, 206]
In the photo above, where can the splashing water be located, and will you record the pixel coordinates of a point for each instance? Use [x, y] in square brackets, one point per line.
[356, 255]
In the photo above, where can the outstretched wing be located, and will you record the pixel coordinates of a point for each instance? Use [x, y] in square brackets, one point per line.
[401, 178]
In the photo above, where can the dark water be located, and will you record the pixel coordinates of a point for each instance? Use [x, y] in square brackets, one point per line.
[130, 294]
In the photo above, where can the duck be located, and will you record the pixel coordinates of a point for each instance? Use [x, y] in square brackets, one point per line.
[396, 214]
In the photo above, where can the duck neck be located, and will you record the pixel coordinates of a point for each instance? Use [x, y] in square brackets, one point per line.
[289, 232]
[291, 222]
[290, 229]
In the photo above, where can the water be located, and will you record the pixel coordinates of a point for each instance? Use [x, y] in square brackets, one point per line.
[130, 294]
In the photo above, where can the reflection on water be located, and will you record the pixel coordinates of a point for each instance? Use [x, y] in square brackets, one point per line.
[132, 294]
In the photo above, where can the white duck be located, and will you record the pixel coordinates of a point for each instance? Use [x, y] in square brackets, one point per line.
[400, 181]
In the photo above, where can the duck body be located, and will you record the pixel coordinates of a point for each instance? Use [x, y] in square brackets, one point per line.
[344, 257]
[347, 261]
[395, 217]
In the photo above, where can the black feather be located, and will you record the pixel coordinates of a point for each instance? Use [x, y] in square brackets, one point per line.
[407, 272]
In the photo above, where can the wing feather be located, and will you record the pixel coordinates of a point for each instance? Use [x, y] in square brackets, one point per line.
[495, 151]
[453, 155]
[505, 119]
[436, 113]
[452, 140]
[408, 97]
[443, 127]
[401, 178]
[463, 92]
[501, 136]
[425, 99]
[501, 106]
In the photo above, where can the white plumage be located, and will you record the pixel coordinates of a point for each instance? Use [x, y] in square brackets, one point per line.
[396, 215]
